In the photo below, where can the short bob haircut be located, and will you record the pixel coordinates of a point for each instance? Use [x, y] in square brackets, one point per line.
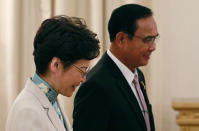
[124, 18]
[67, 38]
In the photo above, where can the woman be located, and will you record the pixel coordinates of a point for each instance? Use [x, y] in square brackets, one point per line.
[63, 48]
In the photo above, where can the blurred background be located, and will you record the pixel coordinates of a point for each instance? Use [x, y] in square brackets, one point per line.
[172, 72]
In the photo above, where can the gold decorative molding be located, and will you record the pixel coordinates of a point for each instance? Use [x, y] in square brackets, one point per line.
[188, 117]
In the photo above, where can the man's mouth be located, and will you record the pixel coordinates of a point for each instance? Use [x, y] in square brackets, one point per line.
[147, 56]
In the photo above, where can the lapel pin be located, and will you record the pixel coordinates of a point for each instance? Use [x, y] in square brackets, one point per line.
[143, 85]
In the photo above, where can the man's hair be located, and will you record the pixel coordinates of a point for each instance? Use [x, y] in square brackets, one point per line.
[124, 18]
[67, 38]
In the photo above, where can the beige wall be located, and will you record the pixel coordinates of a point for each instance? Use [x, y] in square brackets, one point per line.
[173, 71]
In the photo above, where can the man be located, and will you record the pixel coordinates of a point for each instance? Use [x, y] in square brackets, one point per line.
[112, 99]
[63, 48]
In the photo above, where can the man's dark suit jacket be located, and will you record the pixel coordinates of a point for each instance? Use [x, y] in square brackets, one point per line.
[105, 102]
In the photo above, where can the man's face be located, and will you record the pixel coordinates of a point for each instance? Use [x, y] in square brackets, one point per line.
[136, 51]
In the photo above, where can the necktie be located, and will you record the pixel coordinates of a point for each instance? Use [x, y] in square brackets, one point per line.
[143, 103]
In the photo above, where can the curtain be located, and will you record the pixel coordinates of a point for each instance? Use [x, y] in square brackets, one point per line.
[19, 22]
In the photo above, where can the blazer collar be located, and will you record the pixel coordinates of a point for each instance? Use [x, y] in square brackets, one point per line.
[67, 122]
[45, 103]
[128, 94]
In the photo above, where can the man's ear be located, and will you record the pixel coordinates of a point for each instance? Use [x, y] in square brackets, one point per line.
[121, 38]
[55, 64]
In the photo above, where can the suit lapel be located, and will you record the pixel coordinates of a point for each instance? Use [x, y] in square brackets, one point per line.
[50, 111]
[125, 88]
[143, 88]
[54, 118]
[129, 95]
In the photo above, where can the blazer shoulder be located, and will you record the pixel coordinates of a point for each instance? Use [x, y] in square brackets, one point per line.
[28, 105]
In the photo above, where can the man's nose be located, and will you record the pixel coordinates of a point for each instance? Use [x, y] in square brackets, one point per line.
[152, 47]
[83, 79]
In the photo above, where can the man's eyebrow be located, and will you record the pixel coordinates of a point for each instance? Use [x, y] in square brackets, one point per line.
[152, 36]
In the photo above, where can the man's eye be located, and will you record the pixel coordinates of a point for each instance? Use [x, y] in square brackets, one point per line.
[147, 40]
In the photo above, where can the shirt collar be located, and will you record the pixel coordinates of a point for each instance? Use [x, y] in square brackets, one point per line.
[46, 88]
[127, 73]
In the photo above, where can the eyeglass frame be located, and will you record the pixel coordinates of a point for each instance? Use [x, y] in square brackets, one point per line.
[151, 39]
[84, 73]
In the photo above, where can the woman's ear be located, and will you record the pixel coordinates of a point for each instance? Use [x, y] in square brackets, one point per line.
[55, 64]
